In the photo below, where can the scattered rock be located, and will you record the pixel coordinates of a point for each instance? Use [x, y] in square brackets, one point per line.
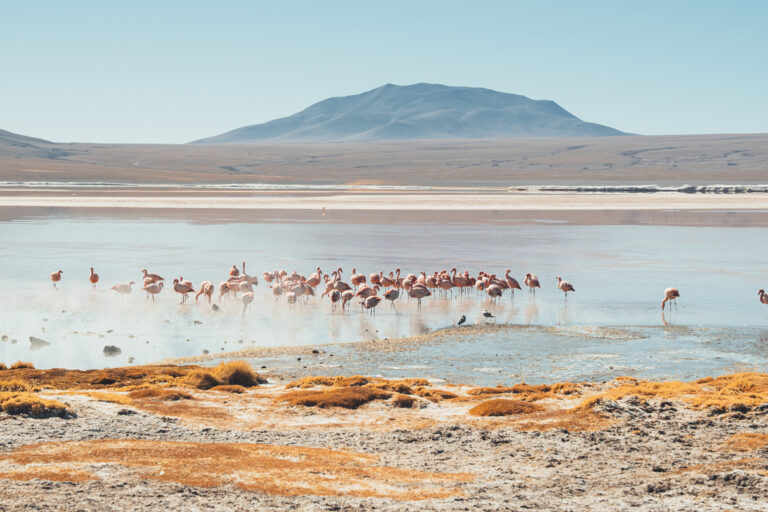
[206, 352]
[111, 350]
[126, 412]
[198, 322]
[37, 343]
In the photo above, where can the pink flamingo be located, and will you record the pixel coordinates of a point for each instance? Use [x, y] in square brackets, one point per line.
[391, 296]
[123, 288]
[511, 282]
[418, 292]
[94, 278]
[152, 277]
[56, 277]
[532, 282]
[206, 287]
[670, 294]
[153, 289]
[763, 297]
[565, 286]
[183, 289]
[371, 303]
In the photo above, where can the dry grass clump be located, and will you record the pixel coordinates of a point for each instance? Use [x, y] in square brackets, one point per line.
[738, 389]
[229, 389]
[15, 385]
[3, 367]
[52, 474]
[113, 378]
[403, 401]
[434, 395]
[745, 442]
[347, 397]
[397, 386]
[236, 373]
[340, 380]
[165, 394]
[267, 468]
[29, 404]
[529, 392]
[503, 407]
[20, 365]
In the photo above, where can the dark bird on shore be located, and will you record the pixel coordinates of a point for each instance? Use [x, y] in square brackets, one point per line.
[214, 307]
[487, 314]
[462, 320]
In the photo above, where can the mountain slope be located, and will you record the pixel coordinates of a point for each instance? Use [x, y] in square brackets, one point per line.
[420, 111]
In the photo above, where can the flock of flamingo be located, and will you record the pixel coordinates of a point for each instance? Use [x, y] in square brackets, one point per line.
[365, 288]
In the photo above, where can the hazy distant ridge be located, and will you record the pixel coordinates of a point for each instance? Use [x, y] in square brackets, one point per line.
[420, 111]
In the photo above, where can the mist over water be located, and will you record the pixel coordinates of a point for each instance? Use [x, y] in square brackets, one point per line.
[612, 325]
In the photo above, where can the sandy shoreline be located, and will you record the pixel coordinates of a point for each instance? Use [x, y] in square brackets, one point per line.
[415, 201]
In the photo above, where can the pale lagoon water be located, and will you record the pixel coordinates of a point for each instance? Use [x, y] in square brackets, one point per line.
[611, 326]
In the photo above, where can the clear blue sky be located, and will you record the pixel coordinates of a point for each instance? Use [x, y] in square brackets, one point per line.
[173, 71]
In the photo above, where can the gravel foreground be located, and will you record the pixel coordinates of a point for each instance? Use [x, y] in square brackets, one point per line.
[659, 455]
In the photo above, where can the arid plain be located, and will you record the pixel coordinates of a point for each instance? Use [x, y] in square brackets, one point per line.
[293, 426]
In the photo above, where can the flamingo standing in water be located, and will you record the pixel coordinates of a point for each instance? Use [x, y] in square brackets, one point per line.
[247, 298]
[123, 288]
[532, 282]
[670, 294]
[153, 289]
[565, 286]
[56, 277]
[183, 289]
[206, 288]
[153, 278]
[94, 278]
[763, 297]
[418, 293]
[511, 282]
[391, 296]
[371, 303]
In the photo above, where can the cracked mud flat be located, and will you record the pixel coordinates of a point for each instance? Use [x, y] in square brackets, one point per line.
[235, 451]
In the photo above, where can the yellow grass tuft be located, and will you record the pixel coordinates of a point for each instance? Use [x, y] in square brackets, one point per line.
[340, 380]
[347, 397]
[745, 442]
[15, 385]
[3, 367]
[726, 391]
[165, 394]
[434, 395]
[19, 365]
[29, 404]
[237, 373]
[502, 407]
[530, 393]
[403, 401]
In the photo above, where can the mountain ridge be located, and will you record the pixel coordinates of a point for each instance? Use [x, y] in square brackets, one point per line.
[419, 111]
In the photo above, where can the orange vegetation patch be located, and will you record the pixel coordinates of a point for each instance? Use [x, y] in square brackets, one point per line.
[160, 394]
[348, 397]
[237, 373]
[14, 385]
[271, 469]
[132, 377]
[29, 404]
[51, 473]
[340, 380]
[745, 442]
[502, 407]
[229, 389]
[573, 420]
[3, 367]
[434, 395]
[727, 465]
[531, 393]
[20, 365]
[739, 389]
[403, 401]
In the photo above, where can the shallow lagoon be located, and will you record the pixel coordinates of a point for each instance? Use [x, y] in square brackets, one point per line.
[611, 326]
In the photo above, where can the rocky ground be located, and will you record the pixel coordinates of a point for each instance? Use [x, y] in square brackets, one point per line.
[657, 454]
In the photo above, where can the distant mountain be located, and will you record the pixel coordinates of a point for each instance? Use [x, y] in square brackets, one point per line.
[15, 139]
[420, 111]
